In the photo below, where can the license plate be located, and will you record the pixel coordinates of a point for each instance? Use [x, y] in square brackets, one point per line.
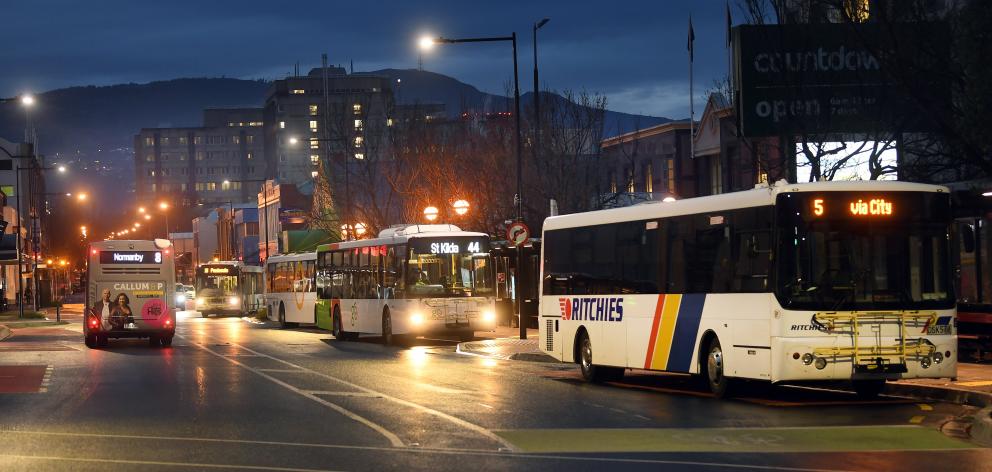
[939, 329]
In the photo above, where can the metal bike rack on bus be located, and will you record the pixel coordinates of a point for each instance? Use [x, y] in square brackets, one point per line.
[876, 357]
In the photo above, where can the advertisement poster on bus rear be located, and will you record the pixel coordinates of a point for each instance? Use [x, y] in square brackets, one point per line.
[128, 304]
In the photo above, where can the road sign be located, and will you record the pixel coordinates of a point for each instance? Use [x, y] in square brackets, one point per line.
[517, 233]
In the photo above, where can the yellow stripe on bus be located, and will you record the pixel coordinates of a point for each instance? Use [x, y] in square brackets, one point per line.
[666, 329]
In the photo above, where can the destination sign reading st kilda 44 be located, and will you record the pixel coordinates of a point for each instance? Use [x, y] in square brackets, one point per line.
[840, 78]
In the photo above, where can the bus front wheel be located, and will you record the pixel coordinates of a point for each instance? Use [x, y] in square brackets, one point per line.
[592, 372]
[282, 316]
[337, 329]
[387, 329]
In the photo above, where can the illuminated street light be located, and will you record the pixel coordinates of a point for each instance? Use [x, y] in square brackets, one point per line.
[163, 206]
[360, 229]
[461, 207]
[430, 213]
[293, 141]
[48, 261]
[426, 43]
[61, 169]
[137, 225]
[141, 209]
[27, 100]
[82, 197]
[147, 216]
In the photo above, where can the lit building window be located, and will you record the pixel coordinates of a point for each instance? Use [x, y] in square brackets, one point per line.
[282, 125]
[183, 140]
[648, 178]
[313, 125]
[235, 139]
[358, 141]
[314, 158]
[150, 158]
[199, 155]
[149, 141]
[251, 155]
[250, 139]
[254, 123]
[211, 185]
[358, 124]
[298, 91]
[671, 176]
[314, 144]
[165, 141]
[389, 122]
[197, 139]
[313, 174]
[225, 185]
[357, 108]
[359, 156]
[313, 110]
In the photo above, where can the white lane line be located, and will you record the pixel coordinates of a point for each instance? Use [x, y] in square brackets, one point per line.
[281, 370]
[342, 394]
[458, 421]
[451, 452]
[393, 438]
[161, 463]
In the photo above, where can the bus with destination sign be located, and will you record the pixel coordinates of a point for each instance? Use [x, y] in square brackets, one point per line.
[290, 292]
[821, 281]
[228, 288]
[411, 280]
[130, 292]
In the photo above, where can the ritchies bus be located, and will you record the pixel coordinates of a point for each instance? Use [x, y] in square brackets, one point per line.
[794, 282]
[130, 292]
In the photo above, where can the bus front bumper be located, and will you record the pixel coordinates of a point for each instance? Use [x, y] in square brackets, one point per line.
[837, 358]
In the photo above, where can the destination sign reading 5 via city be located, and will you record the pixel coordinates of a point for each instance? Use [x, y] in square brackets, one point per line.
[860, 207]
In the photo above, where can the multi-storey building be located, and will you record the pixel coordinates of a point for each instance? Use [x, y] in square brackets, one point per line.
[215, 163]
[304, 125]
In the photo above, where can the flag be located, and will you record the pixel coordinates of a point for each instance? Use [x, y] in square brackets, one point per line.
[692, 37]
[730, 23]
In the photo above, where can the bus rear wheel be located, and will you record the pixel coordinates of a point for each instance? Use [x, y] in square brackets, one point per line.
[90, 341]
[868, 389]
[713, 371]
[592, 372]
[153, 341]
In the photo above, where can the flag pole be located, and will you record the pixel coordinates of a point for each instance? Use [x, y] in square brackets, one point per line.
[692, 108]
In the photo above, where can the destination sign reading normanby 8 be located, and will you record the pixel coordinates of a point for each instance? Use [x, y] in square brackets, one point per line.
[130, 257]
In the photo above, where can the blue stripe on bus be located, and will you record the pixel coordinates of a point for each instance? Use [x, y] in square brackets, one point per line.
[684, 339]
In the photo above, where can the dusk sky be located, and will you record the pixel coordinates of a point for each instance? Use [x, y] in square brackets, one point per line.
[633, 52]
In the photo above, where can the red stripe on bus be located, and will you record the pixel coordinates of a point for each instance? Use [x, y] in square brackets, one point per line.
[654, 331]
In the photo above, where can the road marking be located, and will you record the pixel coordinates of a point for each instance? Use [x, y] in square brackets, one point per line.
[977, 383]
[162, 463]
[438, 451]
[458, 421]
[486, 406]
[393, 438]
[342, 394]
[925, 407]
[732, 440]
[281, 370]
[917, 419]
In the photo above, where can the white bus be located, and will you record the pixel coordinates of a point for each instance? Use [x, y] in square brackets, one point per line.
[130, 292]
[411, 280]
[228, 288]
[794, 282]
[289, 288]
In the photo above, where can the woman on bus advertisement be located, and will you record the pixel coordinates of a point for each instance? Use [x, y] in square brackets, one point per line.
[117, 312]
[121, 316]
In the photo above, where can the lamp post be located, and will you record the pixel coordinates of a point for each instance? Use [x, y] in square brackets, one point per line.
[427, 43]
[537, 93]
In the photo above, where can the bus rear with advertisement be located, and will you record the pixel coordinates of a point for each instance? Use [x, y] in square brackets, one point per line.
[130, 292]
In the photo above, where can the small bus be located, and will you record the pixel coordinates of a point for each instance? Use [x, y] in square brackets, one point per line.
[411, 280]
[228, 288]
[825, 281]
[130, 292]
[290, 291]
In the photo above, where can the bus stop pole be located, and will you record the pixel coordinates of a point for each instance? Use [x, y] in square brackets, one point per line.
[517, 292]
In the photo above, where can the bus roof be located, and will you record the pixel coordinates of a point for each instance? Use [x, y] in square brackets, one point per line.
[403, 234]
[298, 256]
[132, 244]
[759, 196]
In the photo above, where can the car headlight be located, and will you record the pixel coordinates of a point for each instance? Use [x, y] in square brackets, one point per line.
[416, 318]
[180, 298]
[488, 316]
[234, 300]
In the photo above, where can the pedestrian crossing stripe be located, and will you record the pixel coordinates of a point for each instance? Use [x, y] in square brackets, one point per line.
[673, 332]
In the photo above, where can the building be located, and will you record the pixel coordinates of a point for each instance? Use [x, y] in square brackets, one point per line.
[212, 164]
[281, 207]
[16, 233]
[182, 244]
[246, 235]
[205, 247]
[303, 124]
[659, 161]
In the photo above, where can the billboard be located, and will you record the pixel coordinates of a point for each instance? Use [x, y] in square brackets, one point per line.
[839, 78]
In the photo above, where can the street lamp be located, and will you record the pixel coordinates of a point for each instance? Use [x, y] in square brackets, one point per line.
[430, 213]
[518, 198]
[537, 93]
[461, 207]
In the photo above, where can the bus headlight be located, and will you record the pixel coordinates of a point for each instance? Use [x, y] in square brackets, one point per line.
[488, 316]
[200, 301]
[416, 319]
[820, 363]
[938, 357]
[808, 358]
[234, 301]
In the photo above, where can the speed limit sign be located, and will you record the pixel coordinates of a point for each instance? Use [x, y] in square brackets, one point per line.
[517, 233]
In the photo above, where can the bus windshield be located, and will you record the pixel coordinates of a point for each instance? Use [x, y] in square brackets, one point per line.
[450, 268]
[833, 257]
[216, 280]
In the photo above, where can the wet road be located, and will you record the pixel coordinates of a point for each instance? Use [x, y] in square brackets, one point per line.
[233, 397]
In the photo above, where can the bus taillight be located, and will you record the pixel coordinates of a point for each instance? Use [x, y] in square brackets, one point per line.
[94, 322]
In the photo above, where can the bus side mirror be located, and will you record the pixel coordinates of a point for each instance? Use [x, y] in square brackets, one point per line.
[968, 238]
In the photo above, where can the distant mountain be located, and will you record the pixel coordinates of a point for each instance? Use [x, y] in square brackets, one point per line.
[91, 121]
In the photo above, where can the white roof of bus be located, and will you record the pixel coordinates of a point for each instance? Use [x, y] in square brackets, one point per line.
[402, 238]
[746, 199]
[300, 256]
[128, 244]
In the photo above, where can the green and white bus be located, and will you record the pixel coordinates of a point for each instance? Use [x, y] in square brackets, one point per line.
[412, 280]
